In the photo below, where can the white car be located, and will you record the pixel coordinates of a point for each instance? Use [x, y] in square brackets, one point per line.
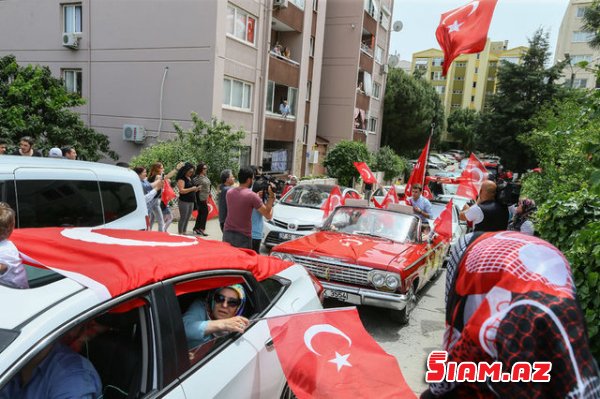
[299, 212]
[381, 192]
[459, 227]
[117, 297]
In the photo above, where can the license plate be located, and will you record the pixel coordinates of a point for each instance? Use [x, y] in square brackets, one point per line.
[339, 295]
[287, 236]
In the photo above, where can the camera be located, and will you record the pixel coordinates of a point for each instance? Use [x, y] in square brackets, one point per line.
[262, 183]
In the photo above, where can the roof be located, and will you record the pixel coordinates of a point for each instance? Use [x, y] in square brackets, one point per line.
[113, 262]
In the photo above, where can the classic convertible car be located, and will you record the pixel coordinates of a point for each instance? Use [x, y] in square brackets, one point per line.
[368, 256]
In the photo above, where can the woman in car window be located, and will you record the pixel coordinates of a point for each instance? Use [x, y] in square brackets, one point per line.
[223, 315]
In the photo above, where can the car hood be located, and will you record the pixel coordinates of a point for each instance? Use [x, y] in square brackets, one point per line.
[349, 248]
[297, 214]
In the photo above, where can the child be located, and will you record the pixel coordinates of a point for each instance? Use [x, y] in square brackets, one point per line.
[12, 272]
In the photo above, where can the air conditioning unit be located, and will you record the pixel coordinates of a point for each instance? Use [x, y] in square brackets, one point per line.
[70, 40]
[384, 68]
[280, 3]
[135, 133]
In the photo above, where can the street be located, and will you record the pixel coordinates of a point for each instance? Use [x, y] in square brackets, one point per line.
[410, 344]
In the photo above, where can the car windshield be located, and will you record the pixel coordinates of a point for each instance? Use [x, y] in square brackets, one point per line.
[373, 222]
[307, 195]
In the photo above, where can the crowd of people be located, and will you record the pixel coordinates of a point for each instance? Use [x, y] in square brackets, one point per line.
[26, 148]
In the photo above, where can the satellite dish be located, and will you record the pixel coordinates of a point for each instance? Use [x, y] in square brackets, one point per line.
[393, 61]
[397, 27]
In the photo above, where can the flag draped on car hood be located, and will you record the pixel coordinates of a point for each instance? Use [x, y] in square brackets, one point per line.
[112, 262]
[329, 354]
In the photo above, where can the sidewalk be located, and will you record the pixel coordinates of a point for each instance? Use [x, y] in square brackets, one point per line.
[212, 229]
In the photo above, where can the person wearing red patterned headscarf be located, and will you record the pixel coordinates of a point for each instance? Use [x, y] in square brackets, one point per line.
[511, 298]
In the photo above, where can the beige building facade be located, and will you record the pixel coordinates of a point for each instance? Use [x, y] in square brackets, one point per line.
[573, 44]
[471, 78]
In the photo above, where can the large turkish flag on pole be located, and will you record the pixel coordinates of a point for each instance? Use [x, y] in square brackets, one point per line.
[417, 176]
[328, 354]
[365, 172]
[472, 178]
[464, 30]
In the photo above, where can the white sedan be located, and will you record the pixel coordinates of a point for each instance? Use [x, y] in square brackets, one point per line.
[113, 300]
[299, 212]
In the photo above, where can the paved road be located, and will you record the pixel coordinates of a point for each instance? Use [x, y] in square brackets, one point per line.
[410, 344]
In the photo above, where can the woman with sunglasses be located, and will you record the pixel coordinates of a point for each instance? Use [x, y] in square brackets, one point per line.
[223, 316]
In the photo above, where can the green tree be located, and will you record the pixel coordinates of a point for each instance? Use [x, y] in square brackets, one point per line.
[462, 125]
[387, 161]
[523, 89]
[591, 22]
[213, 142]
[339, 161]
[34, 103]
[567, 145]
[411, 107]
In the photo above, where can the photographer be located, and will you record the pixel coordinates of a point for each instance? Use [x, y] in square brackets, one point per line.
[240, 202]
[488, 214]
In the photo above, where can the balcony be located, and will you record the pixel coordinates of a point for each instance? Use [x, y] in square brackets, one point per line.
[289, 18]
[362, 100]
[278, 128]
[284, 70]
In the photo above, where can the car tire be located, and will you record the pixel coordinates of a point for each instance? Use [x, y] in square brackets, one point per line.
[403, 316]
[287, 393]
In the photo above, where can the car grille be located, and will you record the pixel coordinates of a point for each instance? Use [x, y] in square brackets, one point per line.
[334, 271]
[273, 239]
[301, 227]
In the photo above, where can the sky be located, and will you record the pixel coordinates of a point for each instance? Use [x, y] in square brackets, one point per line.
[513, 20]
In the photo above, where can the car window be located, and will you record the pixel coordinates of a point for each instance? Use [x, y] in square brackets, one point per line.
[118, 200]
[379, 193]
[50, 203]
[199, 299]
[105, 356]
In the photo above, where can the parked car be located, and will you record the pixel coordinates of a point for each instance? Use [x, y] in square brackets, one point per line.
[50, 192]
[369, 256]
[459, 201]
[299, 212]
[117, 299]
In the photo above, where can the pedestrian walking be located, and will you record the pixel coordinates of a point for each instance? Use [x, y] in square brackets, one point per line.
[227, 181]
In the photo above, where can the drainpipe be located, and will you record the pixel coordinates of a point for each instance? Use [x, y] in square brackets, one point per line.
[89, 102]
[264, 77]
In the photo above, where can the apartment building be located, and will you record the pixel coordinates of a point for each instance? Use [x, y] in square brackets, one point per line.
[573, 44]
[471, 77]
[355, 53]
[142, 66]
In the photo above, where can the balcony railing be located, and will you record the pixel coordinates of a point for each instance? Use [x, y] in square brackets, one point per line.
[286, 59]
[366, 49]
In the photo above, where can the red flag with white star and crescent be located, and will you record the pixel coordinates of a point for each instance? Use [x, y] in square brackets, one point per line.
[329, 354]
[464, 30]
[417, 176]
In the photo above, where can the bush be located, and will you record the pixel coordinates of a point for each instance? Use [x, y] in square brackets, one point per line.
[340, 160]
[387, 161]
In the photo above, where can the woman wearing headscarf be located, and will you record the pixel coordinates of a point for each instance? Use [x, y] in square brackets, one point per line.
[511, 299]
[521, 220]
[221, 314]
[203, 183]
[186, 196]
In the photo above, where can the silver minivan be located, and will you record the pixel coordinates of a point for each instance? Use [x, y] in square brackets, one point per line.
[50, 192]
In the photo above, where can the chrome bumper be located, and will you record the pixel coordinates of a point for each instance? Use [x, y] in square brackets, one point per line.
[365, 296]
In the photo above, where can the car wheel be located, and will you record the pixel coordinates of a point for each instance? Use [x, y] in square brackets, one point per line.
[287, 393]
[403, 316]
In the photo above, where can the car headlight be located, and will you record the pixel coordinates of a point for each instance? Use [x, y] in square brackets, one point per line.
[392, 281]
[378, 279]
[283, 256]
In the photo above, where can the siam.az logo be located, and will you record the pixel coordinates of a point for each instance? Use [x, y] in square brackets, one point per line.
[440, 369]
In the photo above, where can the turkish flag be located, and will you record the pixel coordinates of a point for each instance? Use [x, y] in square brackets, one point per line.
[390, 198]
[417, 176]
[213, 211]
[334, 200]
[365, 172]
[443, 224]
[464, 30]
[472, 178]
[329, 354]
[167, 193]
